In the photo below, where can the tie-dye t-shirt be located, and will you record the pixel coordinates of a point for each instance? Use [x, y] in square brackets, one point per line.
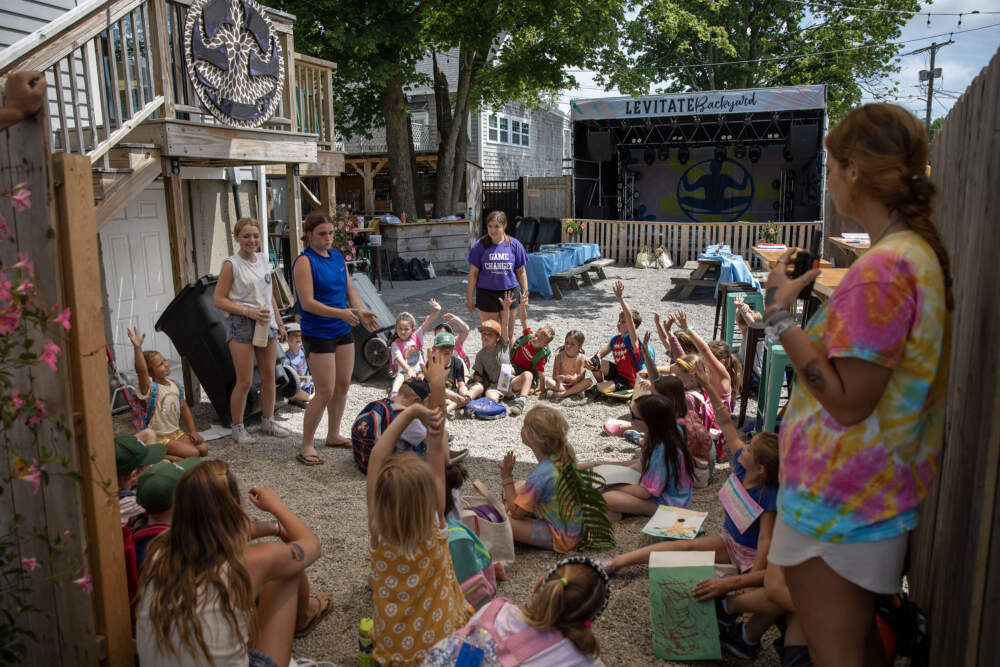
[665, 489]
[865, 482]
[539, 496]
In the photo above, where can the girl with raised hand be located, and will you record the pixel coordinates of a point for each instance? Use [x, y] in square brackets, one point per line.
[723, 366]
[207, 596]
[418, 601]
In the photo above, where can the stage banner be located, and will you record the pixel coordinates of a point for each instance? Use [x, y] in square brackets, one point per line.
[710, 102]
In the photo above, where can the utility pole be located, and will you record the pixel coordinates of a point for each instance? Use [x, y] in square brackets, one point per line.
[929, 75]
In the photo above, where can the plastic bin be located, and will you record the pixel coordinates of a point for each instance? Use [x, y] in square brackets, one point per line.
[198, 330]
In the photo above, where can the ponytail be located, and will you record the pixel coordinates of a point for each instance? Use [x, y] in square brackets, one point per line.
[570, 598]
[916, 212]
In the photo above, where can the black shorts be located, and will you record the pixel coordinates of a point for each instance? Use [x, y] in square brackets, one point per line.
[621, 382]
[313, 345]
[488, 300]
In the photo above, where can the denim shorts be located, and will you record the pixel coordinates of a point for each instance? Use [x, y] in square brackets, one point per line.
[258, 659]
[240, 329]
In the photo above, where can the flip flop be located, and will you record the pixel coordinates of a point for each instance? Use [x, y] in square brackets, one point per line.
[338, 443]
[309, 459]
[325, 607]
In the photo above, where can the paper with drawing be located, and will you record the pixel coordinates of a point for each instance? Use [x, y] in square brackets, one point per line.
[683, 628]
[675, 523]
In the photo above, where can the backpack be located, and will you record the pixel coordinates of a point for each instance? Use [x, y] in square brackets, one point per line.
[370, 424]
[904, 631]
[540, 355]
[486, 408]
[479, 643]
[473, 564]
[397, 269]
[142, 538]
[416, 271]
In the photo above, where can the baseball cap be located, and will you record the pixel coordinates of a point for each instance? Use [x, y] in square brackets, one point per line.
[490, 326]
[292, 327]
[444, 339]
[131, 454]
[155, 491]
[419, 387]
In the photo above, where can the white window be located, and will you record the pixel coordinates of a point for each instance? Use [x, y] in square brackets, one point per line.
[509, 130]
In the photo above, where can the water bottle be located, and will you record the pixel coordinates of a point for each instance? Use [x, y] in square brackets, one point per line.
[365, 645]
[260, 332]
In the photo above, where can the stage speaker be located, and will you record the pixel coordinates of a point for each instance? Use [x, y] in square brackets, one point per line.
[600, 145]
[803, 141]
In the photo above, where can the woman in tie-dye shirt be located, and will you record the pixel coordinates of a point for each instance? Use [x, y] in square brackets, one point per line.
[861, 438]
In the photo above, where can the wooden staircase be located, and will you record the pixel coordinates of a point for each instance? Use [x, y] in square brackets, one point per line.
[131, 168]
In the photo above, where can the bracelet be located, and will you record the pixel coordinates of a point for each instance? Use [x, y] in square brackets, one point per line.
[507, 480]
[778, 324]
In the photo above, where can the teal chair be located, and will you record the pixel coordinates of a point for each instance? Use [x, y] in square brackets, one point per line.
[755, 299]
[772, 378]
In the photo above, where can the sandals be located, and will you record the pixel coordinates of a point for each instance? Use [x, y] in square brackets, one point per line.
[325, 607]
[309, 459]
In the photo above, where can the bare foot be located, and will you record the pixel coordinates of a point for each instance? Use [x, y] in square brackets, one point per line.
[337, 441]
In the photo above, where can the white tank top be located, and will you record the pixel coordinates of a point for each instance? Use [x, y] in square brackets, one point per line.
[251, 282]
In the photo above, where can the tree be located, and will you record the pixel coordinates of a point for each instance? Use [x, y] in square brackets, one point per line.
[509, 51]
[374, 47]
[684, 45]
[935, 127]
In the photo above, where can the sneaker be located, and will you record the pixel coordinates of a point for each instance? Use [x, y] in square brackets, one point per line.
[270, 427]
[240, 435]
[518, 406]
[732, 641]
[633, 436]
[726, 619]
[456, 456]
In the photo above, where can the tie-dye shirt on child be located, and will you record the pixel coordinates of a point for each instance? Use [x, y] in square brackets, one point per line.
[865, 482]
[539, 496]
[664, 488]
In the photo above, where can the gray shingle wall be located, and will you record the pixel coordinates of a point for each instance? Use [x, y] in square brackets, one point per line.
[20, 18]
[543, 157]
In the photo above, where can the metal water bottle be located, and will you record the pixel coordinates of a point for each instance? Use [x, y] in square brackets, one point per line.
[365, 644]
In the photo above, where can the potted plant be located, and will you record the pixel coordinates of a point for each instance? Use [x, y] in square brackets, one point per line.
[769, 234]
[574, 228]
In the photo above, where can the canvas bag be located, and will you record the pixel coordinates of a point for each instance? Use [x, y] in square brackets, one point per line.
[473, 564]
[662, 259]
[497, 536]
[644, 259]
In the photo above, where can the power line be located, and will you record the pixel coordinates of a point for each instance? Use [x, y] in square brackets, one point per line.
[888, 11]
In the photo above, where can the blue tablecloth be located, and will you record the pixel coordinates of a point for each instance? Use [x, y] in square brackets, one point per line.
[733, 270]
[542, 265]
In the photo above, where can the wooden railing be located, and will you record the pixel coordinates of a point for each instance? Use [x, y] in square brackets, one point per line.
[621, 240]
[423, 141]
[314, 98]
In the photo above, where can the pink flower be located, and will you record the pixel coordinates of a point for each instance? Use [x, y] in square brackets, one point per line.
[49, 355]
[84, 581]
[24, 287]
[349, 257]
[21, 199]
[5, 285]
[29, 564]
[25, 264]
[40, 413]
[9, 319]
[28, 473]
[4, 229]
[63, 319]
[16, 400]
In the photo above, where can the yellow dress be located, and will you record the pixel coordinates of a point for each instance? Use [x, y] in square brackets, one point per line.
[418, 601]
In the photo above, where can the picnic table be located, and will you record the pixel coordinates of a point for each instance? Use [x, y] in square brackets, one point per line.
[823, 288]
[555, 263]
[851, 249]
[771, 257]
[704, 272]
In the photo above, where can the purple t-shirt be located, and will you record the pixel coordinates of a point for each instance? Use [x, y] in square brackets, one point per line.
[497, 264]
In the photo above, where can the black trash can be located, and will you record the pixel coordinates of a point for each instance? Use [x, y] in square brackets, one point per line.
[198, 330]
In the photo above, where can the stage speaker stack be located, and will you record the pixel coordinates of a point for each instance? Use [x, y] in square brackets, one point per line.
[600, 145]
[803, 141]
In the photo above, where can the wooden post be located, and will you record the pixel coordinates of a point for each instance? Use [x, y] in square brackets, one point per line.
[368, 176]
[161, 55]
[328, 193]
[180, 256]
[289, 94]
[91, 416]
[294, 209]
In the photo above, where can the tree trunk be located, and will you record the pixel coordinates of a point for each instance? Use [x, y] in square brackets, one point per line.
[446, 147]
[399, 140]
[454, 138]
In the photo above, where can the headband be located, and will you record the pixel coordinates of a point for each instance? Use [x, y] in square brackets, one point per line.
[583, 560]
[685, 365]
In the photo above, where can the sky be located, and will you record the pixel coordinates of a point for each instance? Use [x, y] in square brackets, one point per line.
[959, 62]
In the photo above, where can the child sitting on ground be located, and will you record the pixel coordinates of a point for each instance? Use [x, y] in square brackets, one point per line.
[749, 498]
[295, 360]
[474, 567]
[495, 352]
[544, 432]
[677, 345]
[418, 600]
[569, 374]
[165, 404]
[450, 324]
[620, 374]
[530, 351]
[155, 493]
[406, 353]
[553, 629]
[664, 462]
[456, 393]
[131, 457]
[723, 366]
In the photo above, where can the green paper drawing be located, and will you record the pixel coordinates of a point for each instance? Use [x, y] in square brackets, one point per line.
[683, 628]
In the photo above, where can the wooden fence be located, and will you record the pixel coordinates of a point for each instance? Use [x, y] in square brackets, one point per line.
[955, 573]
[621, 240]
[548, 196]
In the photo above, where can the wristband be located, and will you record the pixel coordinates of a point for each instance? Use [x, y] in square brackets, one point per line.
[277, 528]
[778, 324]
[506, 480]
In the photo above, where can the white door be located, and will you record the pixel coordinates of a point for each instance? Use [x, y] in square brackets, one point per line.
[136, 252]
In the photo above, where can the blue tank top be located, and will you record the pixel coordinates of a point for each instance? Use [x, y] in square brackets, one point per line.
[329, 277]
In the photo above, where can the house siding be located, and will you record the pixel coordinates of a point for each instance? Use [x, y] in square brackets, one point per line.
[544, 155]
[20, 18]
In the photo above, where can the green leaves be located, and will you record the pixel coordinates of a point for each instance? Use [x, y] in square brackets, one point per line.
[580, 500]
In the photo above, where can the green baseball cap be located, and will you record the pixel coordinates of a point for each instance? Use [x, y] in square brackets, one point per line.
[444, 339]
[131, 454]
[155, 491]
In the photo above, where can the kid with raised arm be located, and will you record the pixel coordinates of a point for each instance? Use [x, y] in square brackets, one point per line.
[418, 601]
[723, 366]
[494, 353]
[451, 323]
[165, 404]
[530, 351]
[620, 374]
[406, 359]
[569, 374]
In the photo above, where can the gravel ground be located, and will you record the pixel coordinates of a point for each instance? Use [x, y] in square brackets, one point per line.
[330, 498]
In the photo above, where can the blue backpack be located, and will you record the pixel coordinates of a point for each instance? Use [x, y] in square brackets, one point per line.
[486, 408]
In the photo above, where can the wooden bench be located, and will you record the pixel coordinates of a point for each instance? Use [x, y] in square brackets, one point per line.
[570, 275]
[597, 266]
[704, 273]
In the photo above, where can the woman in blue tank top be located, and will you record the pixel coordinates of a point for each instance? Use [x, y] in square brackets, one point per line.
[329, 306]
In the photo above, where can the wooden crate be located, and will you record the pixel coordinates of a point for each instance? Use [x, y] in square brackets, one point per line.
[445, 244]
